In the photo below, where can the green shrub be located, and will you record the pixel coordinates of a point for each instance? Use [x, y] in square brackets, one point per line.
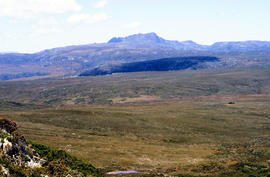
[59, 158]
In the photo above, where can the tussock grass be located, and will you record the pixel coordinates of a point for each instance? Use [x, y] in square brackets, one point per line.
[175, 123]
[168, 138]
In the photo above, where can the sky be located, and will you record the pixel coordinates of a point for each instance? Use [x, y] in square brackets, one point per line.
[33, 25]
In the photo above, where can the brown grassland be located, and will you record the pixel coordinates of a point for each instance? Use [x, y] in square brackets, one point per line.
[181, 135]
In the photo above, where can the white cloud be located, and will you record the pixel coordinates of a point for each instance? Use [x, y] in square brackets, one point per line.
[87, 18]
[30, 8]
[11, 37]
[44, 31]
[132, 25]
[101, 3]
[47, 21]
[222, 14]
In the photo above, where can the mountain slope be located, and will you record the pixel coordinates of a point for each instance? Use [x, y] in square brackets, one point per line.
[166, 64]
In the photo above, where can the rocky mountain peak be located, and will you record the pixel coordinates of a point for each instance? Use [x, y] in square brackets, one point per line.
[153, 37]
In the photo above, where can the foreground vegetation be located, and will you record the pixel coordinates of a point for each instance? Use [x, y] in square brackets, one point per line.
[27, 159]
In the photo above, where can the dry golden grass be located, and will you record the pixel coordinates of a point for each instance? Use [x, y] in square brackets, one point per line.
[165, 137]
[140, 99]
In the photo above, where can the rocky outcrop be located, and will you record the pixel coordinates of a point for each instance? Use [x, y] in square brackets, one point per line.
[21, 158]
[8, 126]
[14, 151]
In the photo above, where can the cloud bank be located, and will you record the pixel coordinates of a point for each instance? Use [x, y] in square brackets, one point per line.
[101, 3]
[87, 18]
[31, 8]
[132, 25]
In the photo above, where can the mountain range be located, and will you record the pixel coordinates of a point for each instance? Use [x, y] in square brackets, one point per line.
[72, 60]
[153, 41]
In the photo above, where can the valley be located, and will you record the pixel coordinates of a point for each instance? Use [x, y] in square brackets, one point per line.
[180, 123]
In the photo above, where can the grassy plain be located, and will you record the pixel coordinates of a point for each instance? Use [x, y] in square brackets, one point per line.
[180, 123]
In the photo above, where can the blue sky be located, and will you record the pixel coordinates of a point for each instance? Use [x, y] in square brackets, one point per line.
[34, 25]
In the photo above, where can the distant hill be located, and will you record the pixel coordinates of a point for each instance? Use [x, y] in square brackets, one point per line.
[72, 60]
[152, 40]
[6, 77]
[240, 46]
[166, 64]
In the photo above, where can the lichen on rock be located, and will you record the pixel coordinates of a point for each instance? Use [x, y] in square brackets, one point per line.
[14, 148]
[21, 158]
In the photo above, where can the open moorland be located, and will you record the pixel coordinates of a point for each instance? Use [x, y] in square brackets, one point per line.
[181, 123]
[134, 87]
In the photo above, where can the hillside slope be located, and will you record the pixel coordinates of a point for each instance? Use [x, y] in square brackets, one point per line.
[21, 158]
[165, 64]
